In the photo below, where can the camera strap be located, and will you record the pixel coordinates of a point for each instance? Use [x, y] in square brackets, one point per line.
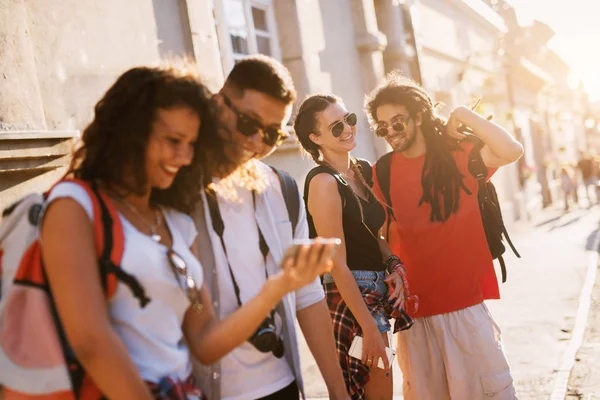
[219, 228]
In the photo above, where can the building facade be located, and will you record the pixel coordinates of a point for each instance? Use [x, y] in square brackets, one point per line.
[57, 59]
[62, 57]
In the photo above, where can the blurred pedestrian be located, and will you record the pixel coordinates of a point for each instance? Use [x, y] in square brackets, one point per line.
[589, 178]
[567, 185]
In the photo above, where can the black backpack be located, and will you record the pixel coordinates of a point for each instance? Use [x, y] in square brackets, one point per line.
[342, 185]
[367, 172]
[489, 206]
[291, 195]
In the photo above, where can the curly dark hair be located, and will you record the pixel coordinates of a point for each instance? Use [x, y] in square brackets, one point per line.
[114, 144]
[440, 178]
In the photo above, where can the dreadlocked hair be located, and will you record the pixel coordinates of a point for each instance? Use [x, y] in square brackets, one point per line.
[440, 178]
[306, 123]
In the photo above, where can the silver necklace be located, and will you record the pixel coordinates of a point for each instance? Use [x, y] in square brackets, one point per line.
[153, 228]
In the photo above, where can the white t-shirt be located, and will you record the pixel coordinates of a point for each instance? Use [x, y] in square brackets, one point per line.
[152, 334]
[246, 373]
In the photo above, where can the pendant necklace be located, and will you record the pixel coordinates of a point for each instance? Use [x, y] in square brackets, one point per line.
[153, 228]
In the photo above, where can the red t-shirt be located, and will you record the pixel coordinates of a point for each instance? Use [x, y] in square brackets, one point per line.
[448, 264]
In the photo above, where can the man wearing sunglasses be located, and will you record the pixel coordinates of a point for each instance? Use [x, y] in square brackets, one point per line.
[454, 348]
[244, 231]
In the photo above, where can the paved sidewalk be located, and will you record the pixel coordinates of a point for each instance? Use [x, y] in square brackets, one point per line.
[584, 382]
[539, 301]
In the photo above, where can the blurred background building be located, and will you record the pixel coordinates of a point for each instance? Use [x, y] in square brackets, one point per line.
[57, 58]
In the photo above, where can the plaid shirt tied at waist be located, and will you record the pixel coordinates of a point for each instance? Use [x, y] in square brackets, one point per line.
[345, 327]
[176, 389]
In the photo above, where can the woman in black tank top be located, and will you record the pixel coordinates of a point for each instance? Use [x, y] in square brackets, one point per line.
[341, 203]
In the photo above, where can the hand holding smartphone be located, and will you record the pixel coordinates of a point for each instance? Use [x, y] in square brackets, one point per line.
[356, 352]
[297, 244]
[306, 260]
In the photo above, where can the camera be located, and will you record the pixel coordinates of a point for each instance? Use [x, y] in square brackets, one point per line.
[265, 338]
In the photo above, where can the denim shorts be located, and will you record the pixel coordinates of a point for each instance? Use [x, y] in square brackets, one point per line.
[372, 280]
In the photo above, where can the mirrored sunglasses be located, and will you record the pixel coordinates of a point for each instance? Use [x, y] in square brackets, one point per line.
[396, 126]
[338, 128]
[189, 287]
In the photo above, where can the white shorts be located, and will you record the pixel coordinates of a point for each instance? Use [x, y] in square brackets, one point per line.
[456, 356]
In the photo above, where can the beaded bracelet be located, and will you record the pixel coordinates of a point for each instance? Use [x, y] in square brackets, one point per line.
[399, 269]
[411, 301]
[391, 263]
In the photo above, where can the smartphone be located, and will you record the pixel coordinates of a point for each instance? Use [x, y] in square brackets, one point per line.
[297, 244]
[356, 352]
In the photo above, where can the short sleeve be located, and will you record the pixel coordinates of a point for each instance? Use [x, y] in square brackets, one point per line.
[310, 294]
[72, 191]
[313, 292]
[186, 227]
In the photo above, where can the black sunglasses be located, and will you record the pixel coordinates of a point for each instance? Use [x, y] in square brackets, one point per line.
[338, 128]
[179, 268]
[396, 126]
[248, 126]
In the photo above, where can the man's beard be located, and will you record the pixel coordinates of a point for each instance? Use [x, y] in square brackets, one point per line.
[411, 137]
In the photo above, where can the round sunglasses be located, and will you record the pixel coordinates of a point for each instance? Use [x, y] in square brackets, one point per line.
[248, 126]
[383, 131]
[338, 128]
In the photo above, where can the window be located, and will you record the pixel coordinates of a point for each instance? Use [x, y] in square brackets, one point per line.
[237, 27]
[261, 30]
[245, 27]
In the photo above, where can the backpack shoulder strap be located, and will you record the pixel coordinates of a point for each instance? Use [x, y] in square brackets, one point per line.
[291, 195]
[110, 244]
[320, 169]
[476, 166]
[487, 196]
[383, 168]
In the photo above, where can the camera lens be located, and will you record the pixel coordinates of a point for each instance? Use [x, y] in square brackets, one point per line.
[265, 340]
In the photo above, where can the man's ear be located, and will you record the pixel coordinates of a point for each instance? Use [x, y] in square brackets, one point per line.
[418, 118]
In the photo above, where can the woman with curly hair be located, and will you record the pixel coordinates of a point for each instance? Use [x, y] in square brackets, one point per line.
[142, 153]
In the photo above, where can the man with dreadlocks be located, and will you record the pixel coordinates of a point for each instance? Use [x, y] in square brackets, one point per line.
[454, 348]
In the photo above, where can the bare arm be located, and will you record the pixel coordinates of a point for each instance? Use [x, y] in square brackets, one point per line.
[500, 147]
[72, 268]
[384, 247]
[211, 339]
[317, 329]
[325, 206]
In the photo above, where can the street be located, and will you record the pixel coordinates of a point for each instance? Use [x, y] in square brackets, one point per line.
[538, 309]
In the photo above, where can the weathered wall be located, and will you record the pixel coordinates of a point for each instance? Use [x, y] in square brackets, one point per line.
[57, 58]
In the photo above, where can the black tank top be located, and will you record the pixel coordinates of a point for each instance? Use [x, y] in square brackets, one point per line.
[362, 248]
